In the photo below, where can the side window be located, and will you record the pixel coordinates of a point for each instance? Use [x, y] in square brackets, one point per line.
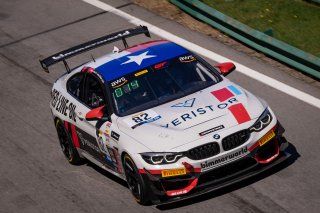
[75, 86]
[94, 93]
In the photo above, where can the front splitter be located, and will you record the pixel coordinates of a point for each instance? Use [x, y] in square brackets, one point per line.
[213, 186]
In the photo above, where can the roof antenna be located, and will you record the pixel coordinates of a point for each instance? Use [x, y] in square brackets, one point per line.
[115, 49]
[94, 60]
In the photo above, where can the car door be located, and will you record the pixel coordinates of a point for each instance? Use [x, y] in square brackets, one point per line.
[88, 130]
[94, 136]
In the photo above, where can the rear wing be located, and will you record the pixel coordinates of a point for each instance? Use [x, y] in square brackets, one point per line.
[81, 48]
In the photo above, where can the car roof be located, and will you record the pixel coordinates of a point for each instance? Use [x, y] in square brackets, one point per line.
[137, 58]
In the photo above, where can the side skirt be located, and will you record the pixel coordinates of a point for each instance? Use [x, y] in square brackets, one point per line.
[98, 163]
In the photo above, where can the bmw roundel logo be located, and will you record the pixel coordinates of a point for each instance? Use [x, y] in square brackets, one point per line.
[216, 136]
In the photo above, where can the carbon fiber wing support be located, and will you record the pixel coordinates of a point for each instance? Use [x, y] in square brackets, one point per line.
[81, 48]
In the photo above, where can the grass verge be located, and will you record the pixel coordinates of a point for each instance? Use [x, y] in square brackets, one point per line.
[295, 22]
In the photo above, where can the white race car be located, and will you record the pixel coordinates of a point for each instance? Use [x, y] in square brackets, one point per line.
[162, 118]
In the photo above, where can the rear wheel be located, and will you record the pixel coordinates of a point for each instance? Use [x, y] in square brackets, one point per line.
[135, 182]
[66, 144]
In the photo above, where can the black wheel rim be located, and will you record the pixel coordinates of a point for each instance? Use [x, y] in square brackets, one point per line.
[64, 142]
[132, 178]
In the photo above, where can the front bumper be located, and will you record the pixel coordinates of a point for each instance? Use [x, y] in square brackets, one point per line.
[195, 182]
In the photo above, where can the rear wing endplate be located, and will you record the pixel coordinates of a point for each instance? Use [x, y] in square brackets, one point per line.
[68, 53]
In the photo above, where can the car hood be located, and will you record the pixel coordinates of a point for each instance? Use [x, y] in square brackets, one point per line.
[181, 121]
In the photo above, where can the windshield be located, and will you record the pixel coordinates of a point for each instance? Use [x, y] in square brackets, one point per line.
[160, 83]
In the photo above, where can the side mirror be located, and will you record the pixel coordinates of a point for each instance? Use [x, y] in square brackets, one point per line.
[226, 68]
[95, 114]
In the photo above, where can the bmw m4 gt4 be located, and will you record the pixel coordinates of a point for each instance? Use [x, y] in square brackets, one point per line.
[160, 117]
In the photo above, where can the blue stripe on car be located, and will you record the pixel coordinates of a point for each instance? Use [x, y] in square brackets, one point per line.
[115, 69]
[234, 90]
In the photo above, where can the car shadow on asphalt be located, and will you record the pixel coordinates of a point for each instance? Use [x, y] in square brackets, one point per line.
[177, 204]
[294, 156]
[108, 174]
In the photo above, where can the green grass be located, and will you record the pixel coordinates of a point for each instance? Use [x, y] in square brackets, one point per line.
[295, 22]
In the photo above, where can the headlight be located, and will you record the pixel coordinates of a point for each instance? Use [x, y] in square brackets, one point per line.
[263, 121]
[156, 158]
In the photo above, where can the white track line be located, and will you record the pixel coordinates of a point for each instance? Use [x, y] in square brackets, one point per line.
[209, 54]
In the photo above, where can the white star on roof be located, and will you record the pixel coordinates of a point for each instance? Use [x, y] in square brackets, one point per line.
[138, 58]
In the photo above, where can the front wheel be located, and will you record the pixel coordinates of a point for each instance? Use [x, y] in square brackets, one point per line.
[135, 182]
[66, 143]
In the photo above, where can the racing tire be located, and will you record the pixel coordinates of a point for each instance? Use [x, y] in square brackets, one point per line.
[66, 143]
[135, 181]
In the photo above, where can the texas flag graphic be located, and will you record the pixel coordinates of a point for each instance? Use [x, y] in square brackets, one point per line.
[238, 110]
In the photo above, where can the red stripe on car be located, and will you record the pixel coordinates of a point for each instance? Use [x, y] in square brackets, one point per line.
[154, 172]
[116, 157]
[66, 124]
[240, 113]
[222, 94]
[192, 184]
[74, 136]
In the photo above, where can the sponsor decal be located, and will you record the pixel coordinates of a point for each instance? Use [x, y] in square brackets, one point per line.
[87, 143]
[108, 124]
[62, 105]
[267, 137]
[115, 135]
[238, 110]
[63, 55]
[222, 160]
[178, 192]
[142, 118]
[107, 133]
[110, 159]
[201, 111]
[140, 73]
[138, 59]
[186, 59]
[101, 144]
[211, 130]
[173, 172]
[118, 83]
[187, 103]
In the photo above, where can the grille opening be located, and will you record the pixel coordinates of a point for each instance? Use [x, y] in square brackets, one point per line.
[236, 139]
[204, 151]
[267, 150]
[174, 185]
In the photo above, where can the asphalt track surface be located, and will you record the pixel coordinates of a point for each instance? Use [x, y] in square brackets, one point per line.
[34, 175]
